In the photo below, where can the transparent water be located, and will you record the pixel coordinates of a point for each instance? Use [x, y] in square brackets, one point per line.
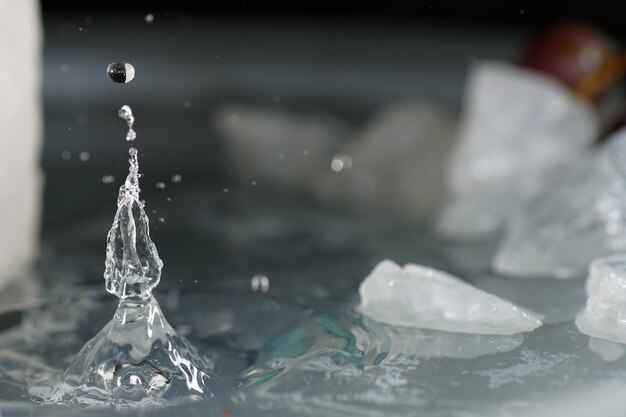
[300, 348]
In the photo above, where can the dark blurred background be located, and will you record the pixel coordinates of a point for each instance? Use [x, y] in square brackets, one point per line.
[346, 60]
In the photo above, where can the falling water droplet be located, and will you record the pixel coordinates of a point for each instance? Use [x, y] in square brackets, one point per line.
[127, 114]
[176, 178]
[341, 163]
[121, 72]
[160, 185]
[260, 283]
[149, 18]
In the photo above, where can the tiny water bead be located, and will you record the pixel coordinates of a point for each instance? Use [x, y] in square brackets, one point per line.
[176, 178]
[121, 72]
[160, 185]
[260, 283]
[149, 18]
[341, 163]
[127, 114]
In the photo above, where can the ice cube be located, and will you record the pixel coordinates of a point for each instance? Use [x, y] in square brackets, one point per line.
[603, 316]
[516, 126]
[580, 214]
[423, 297]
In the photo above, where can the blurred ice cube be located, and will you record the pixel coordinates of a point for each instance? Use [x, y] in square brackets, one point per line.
[275, 145]
[580, 214]
[396, 162]
[516, 126]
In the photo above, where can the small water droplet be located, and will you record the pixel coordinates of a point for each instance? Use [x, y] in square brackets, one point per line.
[176, 178]
[234, 118]
[225, 190]
[65, 155]
[260, 283]
[120, 72]
[253, 183]
[169, 199]
[161, 219]
[84, 156]
[65, 68]
[108, 179]
[127, 114]
[149, 18]
[160, 185]
[187, 104]
[341, 163]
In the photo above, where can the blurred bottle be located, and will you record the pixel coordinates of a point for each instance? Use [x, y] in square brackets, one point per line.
[20, 135]
[587, 60]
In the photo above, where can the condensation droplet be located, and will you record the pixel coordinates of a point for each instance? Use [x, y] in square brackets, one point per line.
[341, 163]
[260, 283]
[120, 72]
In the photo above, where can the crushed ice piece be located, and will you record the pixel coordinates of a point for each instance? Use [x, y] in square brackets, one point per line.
[603, 315]
[579, 215]
[422, 297]
[516, 126]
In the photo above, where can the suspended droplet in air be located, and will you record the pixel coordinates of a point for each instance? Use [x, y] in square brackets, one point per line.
[127, 114]
[341, 163]
[121, 72]
[260, 283]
